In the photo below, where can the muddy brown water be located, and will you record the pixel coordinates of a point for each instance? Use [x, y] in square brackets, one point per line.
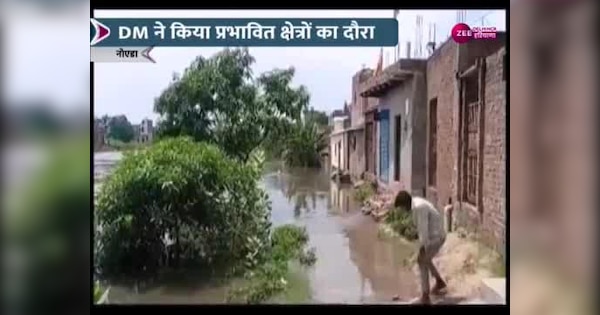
[354, 265]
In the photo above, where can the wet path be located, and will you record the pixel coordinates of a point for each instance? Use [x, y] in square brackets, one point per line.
[353, 264]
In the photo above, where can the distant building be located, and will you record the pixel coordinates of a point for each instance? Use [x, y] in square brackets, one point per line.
[136, 132]
[339, 113]
[338, 144]
[145, 131]
[99, 134]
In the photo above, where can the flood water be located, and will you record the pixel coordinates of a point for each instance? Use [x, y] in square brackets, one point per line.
[354, 265]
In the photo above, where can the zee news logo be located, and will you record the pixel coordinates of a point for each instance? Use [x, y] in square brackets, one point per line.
[462, 33]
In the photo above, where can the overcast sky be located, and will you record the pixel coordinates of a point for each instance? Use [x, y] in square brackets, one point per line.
[46, 56]
[130, 89]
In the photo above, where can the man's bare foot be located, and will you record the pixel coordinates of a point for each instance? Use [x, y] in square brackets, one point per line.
[439, 288]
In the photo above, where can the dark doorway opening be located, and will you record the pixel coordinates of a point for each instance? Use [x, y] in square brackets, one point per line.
[432, 172]
[398, 146]
[339, 151]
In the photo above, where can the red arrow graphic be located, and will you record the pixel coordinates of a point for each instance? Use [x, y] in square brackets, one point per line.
[102, 32]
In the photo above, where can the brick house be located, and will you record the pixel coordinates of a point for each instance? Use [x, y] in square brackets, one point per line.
[466, 130]
[356, 131]
[450, 113]
[370, 136]
[401, 93]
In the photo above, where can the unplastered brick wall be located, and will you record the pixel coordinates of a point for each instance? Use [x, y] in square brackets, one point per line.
[494, 151]
[441, 69]
[358, 103]
[488, 219]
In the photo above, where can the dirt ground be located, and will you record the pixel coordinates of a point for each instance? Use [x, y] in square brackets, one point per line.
[463, 262]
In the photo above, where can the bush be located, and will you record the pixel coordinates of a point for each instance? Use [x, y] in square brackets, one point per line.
[288, 243]
[364, 192]
[180, 203]
[402, 223]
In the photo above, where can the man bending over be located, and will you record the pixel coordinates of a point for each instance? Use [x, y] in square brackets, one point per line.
[430, 228]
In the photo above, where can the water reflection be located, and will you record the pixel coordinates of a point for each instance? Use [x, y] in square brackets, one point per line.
[354, 265]
[342, 200]
[383, 264]
[303, 191]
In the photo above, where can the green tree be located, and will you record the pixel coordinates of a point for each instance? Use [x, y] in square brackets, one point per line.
[275, 143]
[304, 145]
[218, 100]
[279, 142]
[119, 128]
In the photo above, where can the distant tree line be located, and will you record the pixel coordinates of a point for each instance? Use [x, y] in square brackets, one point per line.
[118, 128]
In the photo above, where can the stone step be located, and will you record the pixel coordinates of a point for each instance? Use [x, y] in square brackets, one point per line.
[493, 290]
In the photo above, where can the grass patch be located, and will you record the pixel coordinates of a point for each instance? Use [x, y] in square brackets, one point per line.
[499, 269]
[492, 260]
[385, 231]
[487, 258]
[364, 192]
[401, 222]
[125, 146]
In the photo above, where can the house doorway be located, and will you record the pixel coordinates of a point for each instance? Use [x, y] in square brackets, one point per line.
[369, 150]
[398, 145]
[384, 144]
[339, 155]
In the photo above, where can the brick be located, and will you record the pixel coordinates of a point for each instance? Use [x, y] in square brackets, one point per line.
[494, 156]
[357, 108]
[488, 217]
[440, 84]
